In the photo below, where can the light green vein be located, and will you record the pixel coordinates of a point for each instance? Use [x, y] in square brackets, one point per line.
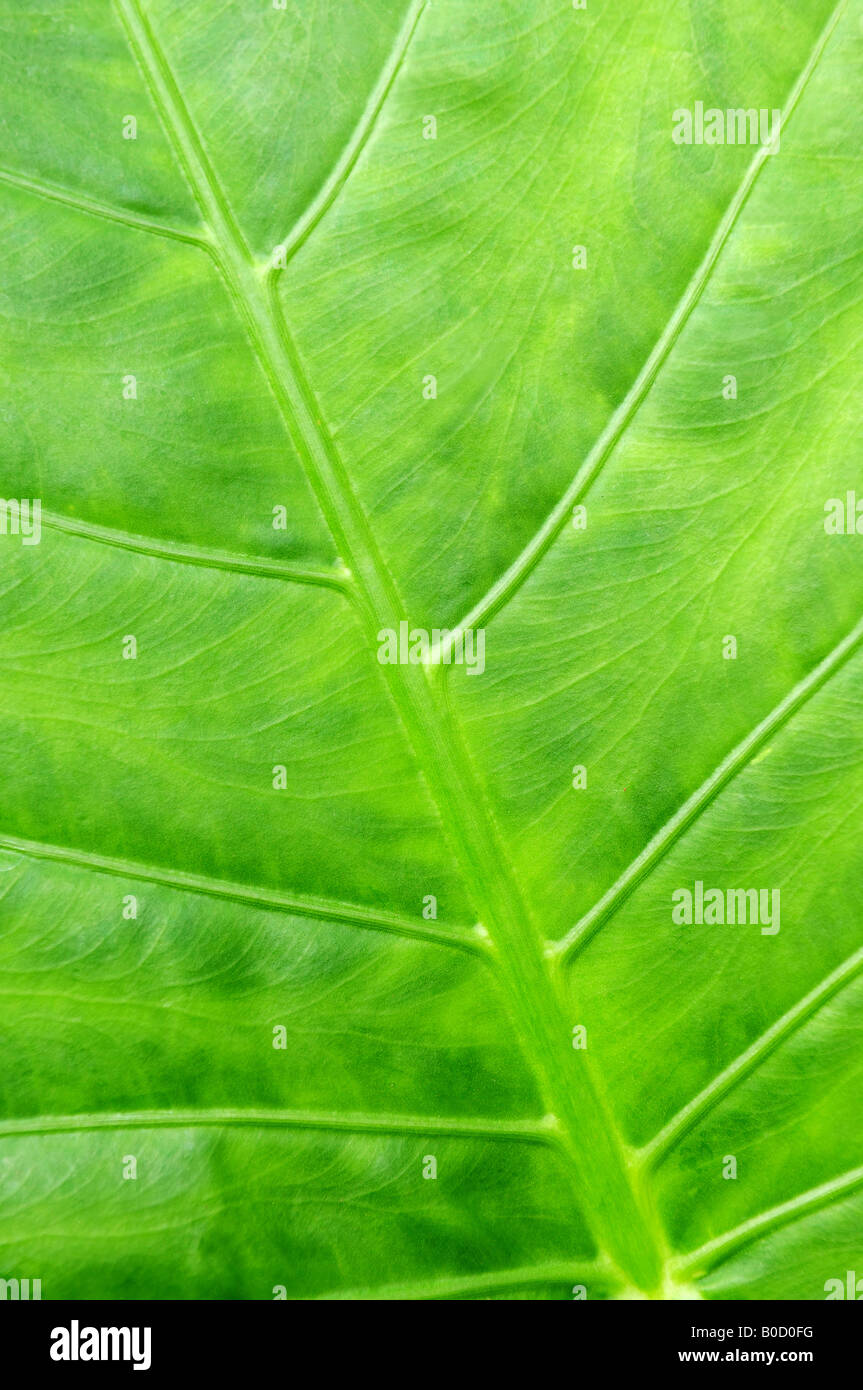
[261, 567]
[475, 1285]
[703, 1259]
[617, 1206]
[751, 1058]
[41, 188]
[524, 1131]
[698, 802]
[345, 166]
[525, 563]
[251, 895]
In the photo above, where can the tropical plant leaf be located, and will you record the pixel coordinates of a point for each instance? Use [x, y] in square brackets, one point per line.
[330, 976]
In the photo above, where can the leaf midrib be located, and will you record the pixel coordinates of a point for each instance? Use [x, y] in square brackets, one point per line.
[613, 1202]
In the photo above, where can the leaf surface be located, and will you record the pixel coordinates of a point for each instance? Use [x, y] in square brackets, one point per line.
[307, 940]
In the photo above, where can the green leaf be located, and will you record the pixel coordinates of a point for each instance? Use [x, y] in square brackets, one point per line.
[330, 977]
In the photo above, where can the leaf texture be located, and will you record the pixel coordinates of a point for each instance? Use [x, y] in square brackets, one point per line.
[322, 977]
